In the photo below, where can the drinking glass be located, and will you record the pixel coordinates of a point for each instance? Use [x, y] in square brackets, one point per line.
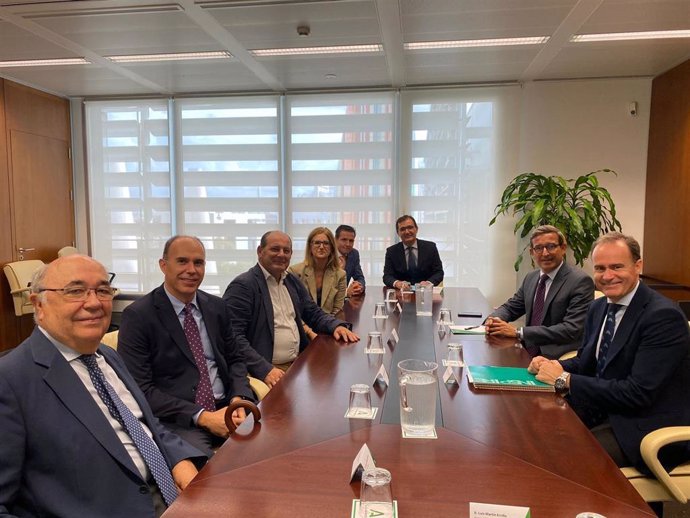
[376, 497]
[375, 343]
[444, 317]
[391, 295]
[360, 401]
[380, 310]
[454, 355]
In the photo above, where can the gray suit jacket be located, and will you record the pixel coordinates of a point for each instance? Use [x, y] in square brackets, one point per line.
[565, 308]
[60, 455]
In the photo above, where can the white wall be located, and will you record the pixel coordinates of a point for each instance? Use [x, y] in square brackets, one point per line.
[569, 128]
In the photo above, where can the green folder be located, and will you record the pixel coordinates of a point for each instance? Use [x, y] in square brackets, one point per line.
[505, 378]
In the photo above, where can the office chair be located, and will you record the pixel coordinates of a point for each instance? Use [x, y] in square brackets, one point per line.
[663, 486]
[259, 388]
[67, 250]
[19, 276]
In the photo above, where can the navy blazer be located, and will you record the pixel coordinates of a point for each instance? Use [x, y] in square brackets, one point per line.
[570, 294]
[353, 268]
[251, 314]
[645, 383]
[59, 454]
[153, 345]
[429, 265]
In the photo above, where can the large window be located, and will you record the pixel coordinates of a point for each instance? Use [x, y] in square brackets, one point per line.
[341, 171]
[228, 169]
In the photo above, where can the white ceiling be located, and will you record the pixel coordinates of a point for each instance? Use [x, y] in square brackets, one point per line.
[31, 29]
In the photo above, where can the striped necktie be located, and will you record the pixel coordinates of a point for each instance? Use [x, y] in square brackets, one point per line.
[607, 336]
[147, 447]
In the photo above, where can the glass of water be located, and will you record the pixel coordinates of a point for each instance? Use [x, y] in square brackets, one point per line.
[376, 497]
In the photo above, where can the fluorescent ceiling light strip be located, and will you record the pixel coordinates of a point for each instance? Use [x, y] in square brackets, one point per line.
[457, 44]
[44, 62]
[180, 56]
[305, 51]
[623, 36]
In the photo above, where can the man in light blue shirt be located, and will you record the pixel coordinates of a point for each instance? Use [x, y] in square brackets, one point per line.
[178, 344]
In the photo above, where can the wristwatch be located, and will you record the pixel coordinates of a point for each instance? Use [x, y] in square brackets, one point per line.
[560, 383]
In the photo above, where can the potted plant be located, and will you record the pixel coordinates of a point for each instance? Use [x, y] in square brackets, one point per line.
[580, 208]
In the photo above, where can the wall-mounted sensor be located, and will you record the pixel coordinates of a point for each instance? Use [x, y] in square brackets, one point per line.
[632, 108]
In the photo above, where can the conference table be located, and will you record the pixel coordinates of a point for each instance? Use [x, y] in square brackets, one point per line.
[502, 447]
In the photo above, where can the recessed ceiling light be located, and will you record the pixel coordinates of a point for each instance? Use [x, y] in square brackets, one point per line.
[179, 56]
[623, 36]
[305, 51]
[44, 62]
[456, 44]
[330, 76]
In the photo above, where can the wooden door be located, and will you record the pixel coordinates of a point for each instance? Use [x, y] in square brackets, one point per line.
[43, 214]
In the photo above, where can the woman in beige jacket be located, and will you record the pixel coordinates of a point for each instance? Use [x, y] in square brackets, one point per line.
[321, 274]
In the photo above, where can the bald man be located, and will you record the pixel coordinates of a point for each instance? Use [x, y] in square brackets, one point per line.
[78, 437]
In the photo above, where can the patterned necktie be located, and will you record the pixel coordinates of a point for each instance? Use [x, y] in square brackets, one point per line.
[411, 259]
[343, 260]
[204, 393]
[607, 337]
[538, 309]
[149, 451]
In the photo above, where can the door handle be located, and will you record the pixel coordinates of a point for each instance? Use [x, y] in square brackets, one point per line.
[22, 250]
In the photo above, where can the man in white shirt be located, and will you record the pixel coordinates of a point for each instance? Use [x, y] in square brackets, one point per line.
[268, 305]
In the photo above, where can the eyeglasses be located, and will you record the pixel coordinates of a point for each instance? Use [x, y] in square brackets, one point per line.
[550, 247]
[317, 244]
[81, 293]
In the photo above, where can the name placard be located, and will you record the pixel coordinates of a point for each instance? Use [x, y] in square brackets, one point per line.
[478, 510]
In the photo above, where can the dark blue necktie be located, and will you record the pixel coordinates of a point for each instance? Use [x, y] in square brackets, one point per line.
[148, 449]
[607, 337]
[411, 259]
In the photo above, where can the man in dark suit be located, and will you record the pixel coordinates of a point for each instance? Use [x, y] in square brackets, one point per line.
[632, 374]
[348, 256]
[267, 307]
[553, 299]
[178, 344]
[412, 260]
[77, 436]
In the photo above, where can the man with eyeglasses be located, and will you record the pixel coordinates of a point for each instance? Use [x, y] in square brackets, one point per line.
[78, 437]
[178, 344]
[553, 299]
[268, 306]
[412, 260]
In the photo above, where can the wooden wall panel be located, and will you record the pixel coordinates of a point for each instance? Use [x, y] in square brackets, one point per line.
[36, 112]
[8, 323]
[667, 204]
[43, 120]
